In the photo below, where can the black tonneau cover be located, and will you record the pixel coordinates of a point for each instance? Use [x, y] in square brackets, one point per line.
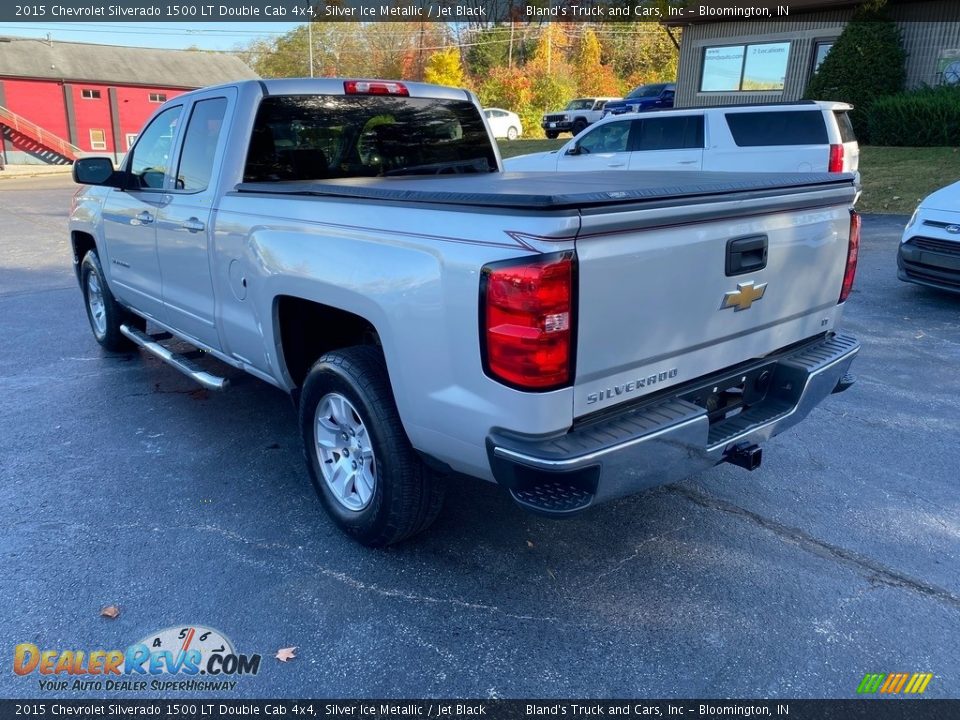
[553, 191]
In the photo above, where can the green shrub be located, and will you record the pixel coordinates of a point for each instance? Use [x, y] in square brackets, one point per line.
[929, 117]
[866, 62]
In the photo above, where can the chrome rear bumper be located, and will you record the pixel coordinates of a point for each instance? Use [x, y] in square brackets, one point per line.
[665, 440]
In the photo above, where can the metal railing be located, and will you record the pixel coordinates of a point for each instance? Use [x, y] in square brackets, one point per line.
[47, 139]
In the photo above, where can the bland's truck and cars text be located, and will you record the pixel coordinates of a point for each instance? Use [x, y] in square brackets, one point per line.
[573, 337]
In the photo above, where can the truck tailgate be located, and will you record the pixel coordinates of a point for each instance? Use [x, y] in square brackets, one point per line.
[670, 294]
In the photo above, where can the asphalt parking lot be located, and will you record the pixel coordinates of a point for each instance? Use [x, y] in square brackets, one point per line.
[122, 483]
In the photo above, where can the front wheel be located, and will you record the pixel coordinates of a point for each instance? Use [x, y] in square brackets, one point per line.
[578, 127]
[368, 476]
[105, 314]
[552, 134]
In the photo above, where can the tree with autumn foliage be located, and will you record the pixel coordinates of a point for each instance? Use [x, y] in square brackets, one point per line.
[529, 68]
[593, 77]
[444, 68]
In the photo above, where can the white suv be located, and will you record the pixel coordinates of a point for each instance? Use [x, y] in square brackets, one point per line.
[577, 115]
[803, 136]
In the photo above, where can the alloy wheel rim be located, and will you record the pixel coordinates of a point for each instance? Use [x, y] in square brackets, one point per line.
[98, 309]
[345, 453]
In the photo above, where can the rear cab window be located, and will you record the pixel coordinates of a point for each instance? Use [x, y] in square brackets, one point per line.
[770, 128]
[321, 137]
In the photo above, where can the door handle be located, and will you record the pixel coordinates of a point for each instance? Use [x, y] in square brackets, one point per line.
[193, 225]
[688, 162]
[145, 218]
[617, 165]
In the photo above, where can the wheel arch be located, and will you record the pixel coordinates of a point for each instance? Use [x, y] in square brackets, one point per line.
[80, 244]
[298, 348]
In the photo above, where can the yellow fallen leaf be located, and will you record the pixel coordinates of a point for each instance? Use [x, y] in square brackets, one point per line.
[110, 611]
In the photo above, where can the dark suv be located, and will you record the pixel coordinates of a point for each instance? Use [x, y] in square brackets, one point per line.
[645, 97]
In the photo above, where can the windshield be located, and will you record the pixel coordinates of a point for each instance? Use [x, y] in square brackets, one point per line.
[579, 105]
[319, 137]
[646, 91]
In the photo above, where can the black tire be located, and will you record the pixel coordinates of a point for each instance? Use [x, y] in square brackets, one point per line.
[406, 496]
[579, 126]
[106, 329]
[512, 133]
[552, 134]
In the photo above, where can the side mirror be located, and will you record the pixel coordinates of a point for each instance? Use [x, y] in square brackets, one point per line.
[575, 150]
[96, 171]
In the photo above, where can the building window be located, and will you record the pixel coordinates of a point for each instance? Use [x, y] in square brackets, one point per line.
[820, 52]
[131, 139]
[158, 97]
[98, 140]
[745, 68]
[88, 94]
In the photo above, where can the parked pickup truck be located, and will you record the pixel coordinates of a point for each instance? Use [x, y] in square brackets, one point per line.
[574, 337]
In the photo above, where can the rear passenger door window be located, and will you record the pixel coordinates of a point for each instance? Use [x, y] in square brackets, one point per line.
[200, 145]
[672, 142]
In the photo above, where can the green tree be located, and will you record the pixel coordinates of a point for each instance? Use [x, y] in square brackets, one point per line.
[866, 62]
[487, 48]
[444, 68]
[641, 52]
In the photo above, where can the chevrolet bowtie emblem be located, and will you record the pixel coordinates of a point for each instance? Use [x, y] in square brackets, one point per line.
[743, 297]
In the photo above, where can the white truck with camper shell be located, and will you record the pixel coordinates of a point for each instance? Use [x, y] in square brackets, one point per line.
[573, 337]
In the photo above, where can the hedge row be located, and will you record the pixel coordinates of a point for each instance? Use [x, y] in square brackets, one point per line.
[929, 117]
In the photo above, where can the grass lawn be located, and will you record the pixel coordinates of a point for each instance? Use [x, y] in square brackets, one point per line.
[894, 179]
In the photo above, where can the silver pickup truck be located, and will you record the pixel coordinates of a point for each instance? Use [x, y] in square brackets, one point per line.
[572, 337]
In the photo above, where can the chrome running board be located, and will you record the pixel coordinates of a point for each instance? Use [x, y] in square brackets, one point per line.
[181, 362]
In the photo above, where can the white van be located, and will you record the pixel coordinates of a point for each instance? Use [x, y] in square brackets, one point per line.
[803, 136]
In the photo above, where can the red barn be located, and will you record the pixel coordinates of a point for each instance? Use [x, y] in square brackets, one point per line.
[59, 100]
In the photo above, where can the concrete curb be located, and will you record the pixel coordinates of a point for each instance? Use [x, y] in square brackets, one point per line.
[21, 171]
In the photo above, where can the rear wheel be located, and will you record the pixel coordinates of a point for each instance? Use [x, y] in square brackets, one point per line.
[512, 133]
[368, 476]
[105, 314]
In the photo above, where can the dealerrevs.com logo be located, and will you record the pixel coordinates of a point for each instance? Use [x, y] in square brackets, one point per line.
[199, 658]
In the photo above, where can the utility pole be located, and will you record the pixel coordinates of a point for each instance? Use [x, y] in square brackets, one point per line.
[510, 56]
[420, 54]
[549, 47]
[310, 43]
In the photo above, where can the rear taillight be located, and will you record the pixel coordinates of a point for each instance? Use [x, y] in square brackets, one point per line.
[853, 249]
[526, 311]
[836, 159]
[374, 87]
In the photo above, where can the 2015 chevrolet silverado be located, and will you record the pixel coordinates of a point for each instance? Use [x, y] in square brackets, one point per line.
[573, 337]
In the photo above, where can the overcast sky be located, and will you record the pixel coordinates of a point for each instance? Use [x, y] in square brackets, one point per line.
[208, 35]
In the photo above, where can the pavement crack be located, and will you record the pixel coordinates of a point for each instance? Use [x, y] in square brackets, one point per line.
[420, 598]
[875, 573]
[636, 551]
